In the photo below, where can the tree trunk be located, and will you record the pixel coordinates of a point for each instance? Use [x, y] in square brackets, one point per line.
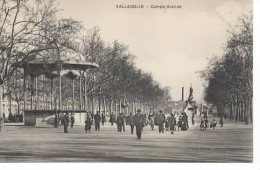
[1, 112]
[251, 109]
[105, 106]
[111, 106]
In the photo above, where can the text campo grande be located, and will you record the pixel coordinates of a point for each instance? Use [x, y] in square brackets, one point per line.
[149, 6]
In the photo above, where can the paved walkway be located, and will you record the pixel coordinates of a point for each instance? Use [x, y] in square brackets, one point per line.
[232, 143]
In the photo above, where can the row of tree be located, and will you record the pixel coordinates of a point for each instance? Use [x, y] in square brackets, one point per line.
[230, 77]
[33, 28]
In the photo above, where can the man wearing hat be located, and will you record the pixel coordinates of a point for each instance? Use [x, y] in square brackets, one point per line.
[138, 122]
[66, 122]
[161, 121]
[120, 122]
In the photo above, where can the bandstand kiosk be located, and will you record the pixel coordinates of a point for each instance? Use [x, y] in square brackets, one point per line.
[73, 67]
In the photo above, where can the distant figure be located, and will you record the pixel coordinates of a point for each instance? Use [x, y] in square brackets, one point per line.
[192, 118]
[4, 115]
[120, 122]
[130, 121]
[138, 121]
[206, 121]
[66, 122]
[167, 123]
[56, 121]
[221, 121]
[72, 120]
[180, 122]
[152, 122]
[88, 123]
[213, 124]
[97, 119]
[112, 119]
[185, 124]
[62, 119]
[202, 125]
[21, 118]
[124, 118]
[92, 116]
[246, 120]
[10, 117]
[172, 123]
[103, 117]
[160, 118]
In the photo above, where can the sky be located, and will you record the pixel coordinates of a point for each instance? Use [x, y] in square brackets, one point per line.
[172, 44]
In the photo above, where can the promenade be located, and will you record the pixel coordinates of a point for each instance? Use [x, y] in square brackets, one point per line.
[231, 143]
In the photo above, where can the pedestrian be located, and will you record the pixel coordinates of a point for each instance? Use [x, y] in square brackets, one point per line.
[62, 119]
[192, 118]
[152, 122]
[112, 119]
[214, 124]
[221, 121]
[172, 122]
[206, 121]
[160, 121]
[180, 122]
[55, 121]
[88, 123]
[124, 118]
[185, 125]
[202, 125]
[103, 118]
[120, 122]
[72, 120]
[167, 125]
[138, 122]
[92, 116]
[97, 119]
[66, 121]
[131, 122]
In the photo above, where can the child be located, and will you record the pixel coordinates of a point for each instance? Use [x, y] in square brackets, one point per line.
[214, 123]
[180, 122]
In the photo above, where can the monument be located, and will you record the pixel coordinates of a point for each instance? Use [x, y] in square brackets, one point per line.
[191, 106]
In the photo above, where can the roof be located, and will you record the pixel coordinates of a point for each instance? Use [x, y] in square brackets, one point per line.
[44, 64]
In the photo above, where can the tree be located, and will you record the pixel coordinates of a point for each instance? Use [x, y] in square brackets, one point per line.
[230, 77]
[29, 28]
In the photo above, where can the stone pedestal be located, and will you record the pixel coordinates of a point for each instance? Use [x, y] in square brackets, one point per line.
[29, 119]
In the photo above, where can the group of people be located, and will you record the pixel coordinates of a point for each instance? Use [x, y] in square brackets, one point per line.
[64, 120]
[14, 118]
[204, 123]
[94, 119]
[138, 121]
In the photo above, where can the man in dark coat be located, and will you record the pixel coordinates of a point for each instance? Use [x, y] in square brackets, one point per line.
[103, 116]
[192, 119]
[221, 121]
[172, 123]
[72, 120]
[56, 121]
[120, 122]
[97, 118]
[138, 122]
[88, 123]
[112, 119]
[131, 122]
[160, 121]
[184, 121]
[66, 121]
